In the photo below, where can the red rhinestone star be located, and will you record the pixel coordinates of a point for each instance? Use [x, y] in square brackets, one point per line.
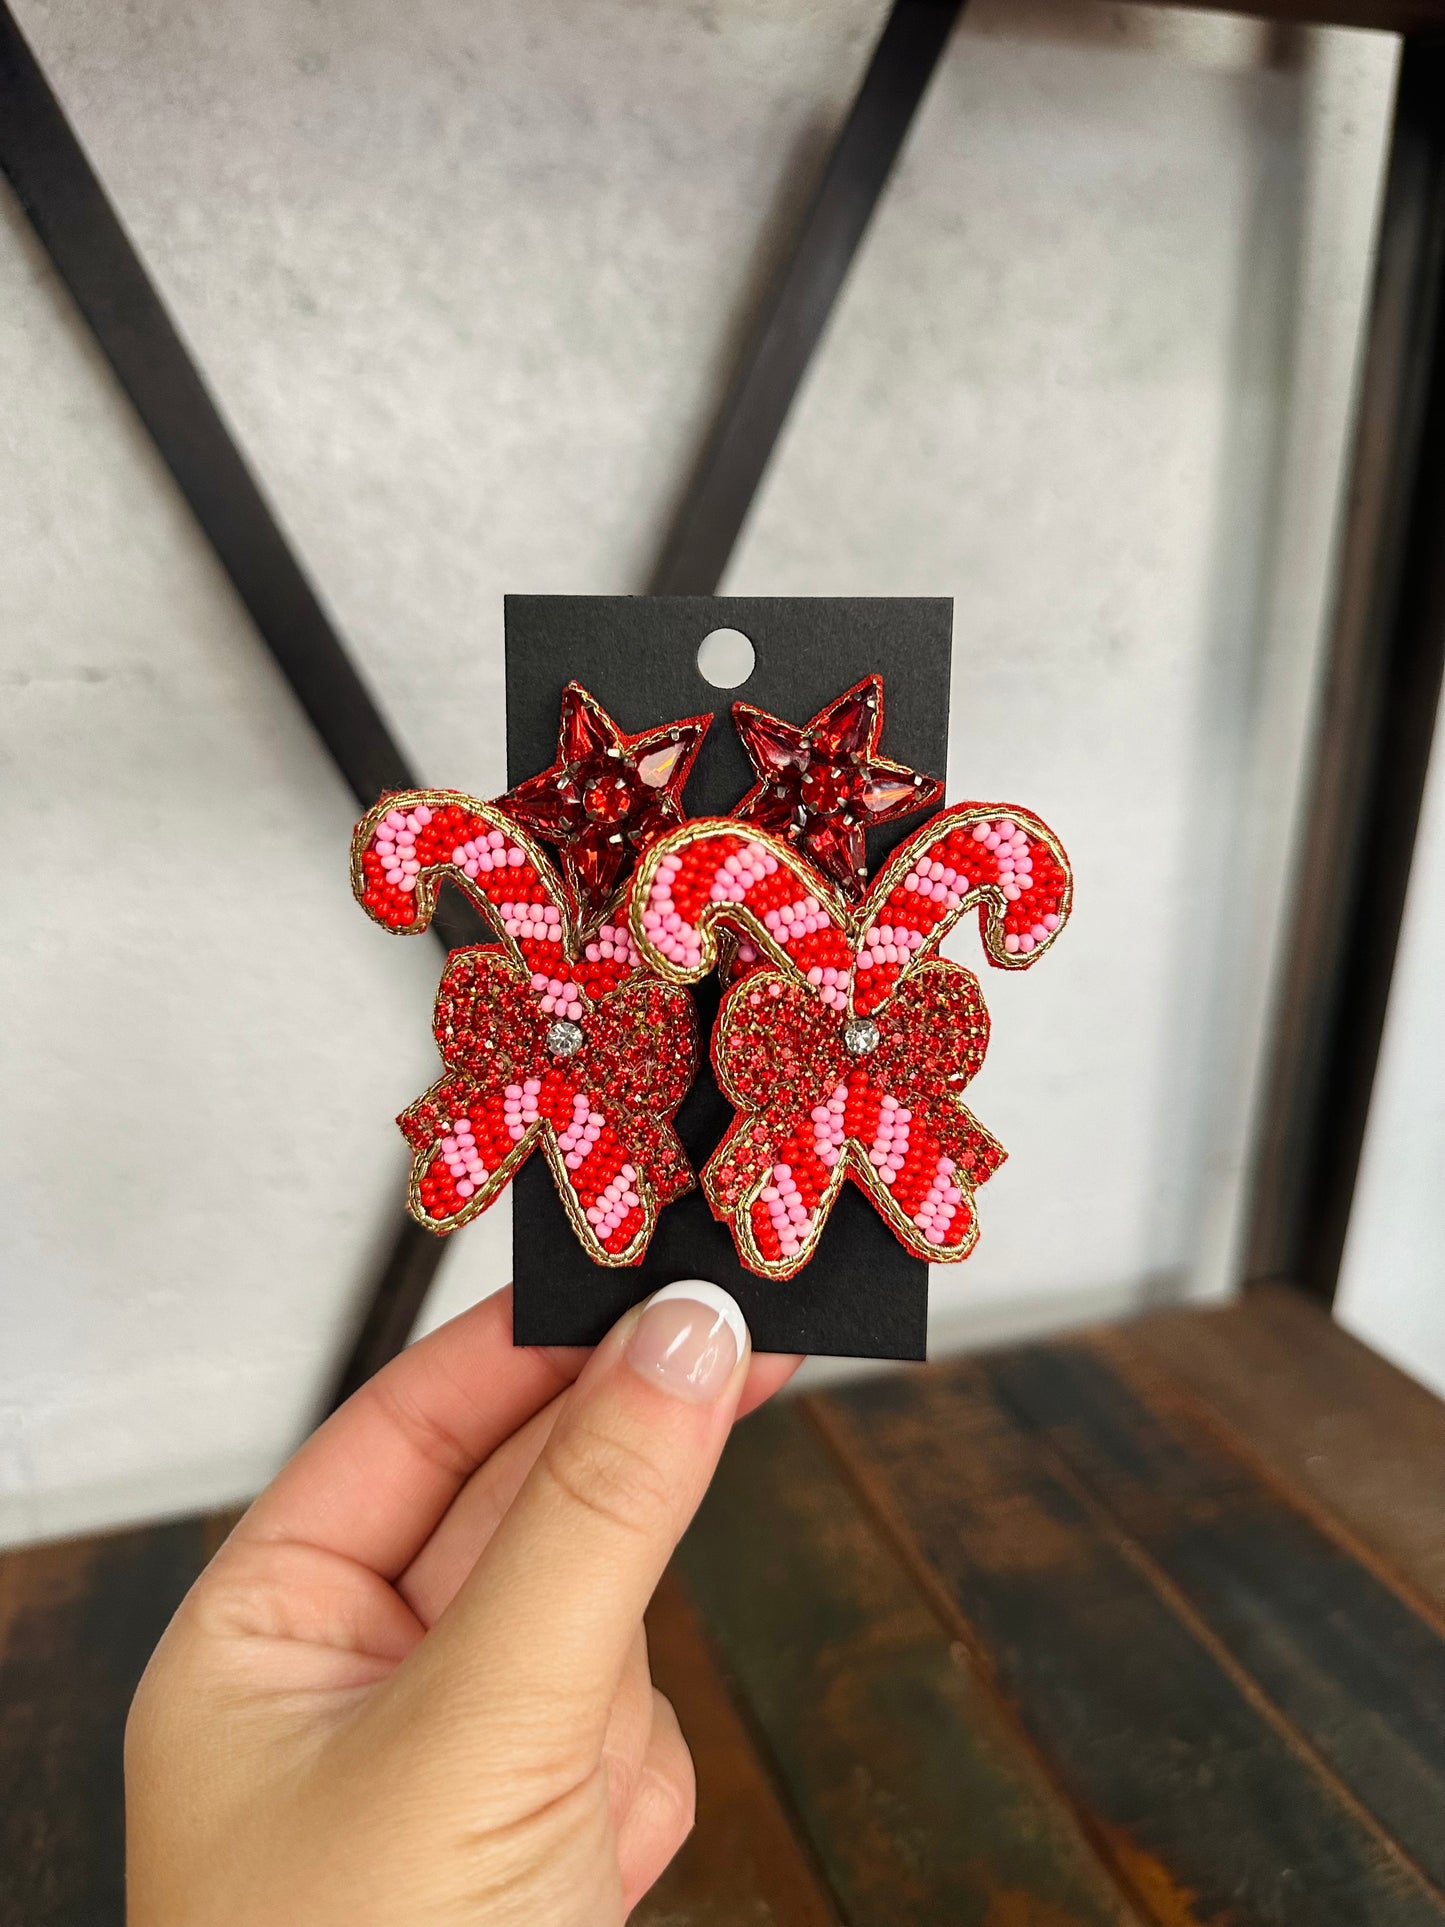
[823, 786]
[606, 794]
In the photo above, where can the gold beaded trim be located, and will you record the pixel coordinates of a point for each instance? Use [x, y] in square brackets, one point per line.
[428, 883]
[852, 922]
[852, 1163]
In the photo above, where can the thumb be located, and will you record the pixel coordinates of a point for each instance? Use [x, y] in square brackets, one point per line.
[541, 1630]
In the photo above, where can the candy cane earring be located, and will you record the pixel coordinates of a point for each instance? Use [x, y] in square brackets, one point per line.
[846, 1043]
[557, 1034]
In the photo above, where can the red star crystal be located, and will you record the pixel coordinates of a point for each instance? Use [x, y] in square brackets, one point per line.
[606, 794]
[823, 786]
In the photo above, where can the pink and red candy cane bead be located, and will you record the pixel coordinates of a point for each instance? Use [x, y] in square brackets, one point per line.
[734, 870]
[908, 1160]
[603, 1177]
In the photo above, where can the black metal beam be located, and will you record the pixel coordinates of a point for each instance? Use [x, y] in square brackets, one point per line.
[68, 208]
[96, 259]
[392, 1307]
[796, 312]
[73, 218]
[706, 525]
[1376, 725]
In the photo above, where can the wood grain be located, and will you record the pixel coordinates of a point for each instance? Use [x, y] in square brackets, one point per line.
[1144, 1626]
[1337, 1654]
[1212, 1810]
[1331, 1417]
[742, 1866]
[78, 1622]
[910, 1780]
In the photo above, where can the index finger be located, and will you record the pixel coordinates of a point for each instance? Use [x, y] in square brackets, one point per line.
[377, 1478]
[373, 1482]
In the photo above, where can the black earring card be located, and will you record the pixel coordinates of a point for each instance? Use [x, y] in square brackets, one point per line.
[862, 1295]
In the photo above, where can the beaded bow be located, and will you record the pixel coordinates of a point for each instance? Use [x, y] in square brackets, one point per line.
[548, 1037]
[846, 1043]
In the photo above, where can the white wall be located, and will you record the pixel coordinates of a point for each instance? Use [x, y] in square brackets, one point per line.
[1392, 1281]
[467, 279]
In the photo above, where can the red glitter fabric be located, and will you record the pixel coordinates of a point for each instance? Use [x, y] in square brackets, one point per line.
[846, 1044]
[548, 1036]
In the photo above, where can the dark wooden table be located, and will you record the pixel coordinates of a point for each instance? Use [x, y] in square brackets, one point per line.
[1143, 1626]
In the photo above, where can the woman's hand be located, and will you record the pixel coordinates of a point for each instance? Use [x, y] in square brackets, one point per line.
[412, 1688]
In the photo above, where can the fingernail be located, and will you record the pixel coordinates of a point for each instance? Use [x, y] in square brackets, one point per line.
[688, 1339]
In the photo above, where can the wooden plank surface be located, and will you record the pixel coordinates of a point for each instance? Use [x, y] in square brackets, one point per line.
[742, 1866]
[1325, 1642]
[77, 1624]
[1326, 1414]
[1144, 1626]
[919, 1797]
[78, 1621]
[1212, 1809]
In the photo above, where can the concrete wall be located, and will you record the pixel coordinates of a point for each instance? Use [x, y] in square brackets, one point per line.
[467, 279]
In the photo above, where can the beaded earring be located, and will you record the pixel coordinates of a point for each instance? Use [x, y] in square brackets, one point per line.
[557, 1034]
[824, 785]
[845, 1042]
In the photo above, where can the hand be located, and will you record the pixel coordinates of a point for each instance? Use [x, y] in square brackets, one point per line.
[412, 1689]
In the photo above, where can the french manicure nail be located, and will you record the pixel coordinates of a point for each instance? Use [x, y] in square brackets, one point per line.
[688, 1340]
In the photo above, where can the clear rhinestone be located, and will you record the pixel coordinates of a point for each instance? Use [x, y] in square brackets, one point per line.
[564, 1038]
[860, 1036]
